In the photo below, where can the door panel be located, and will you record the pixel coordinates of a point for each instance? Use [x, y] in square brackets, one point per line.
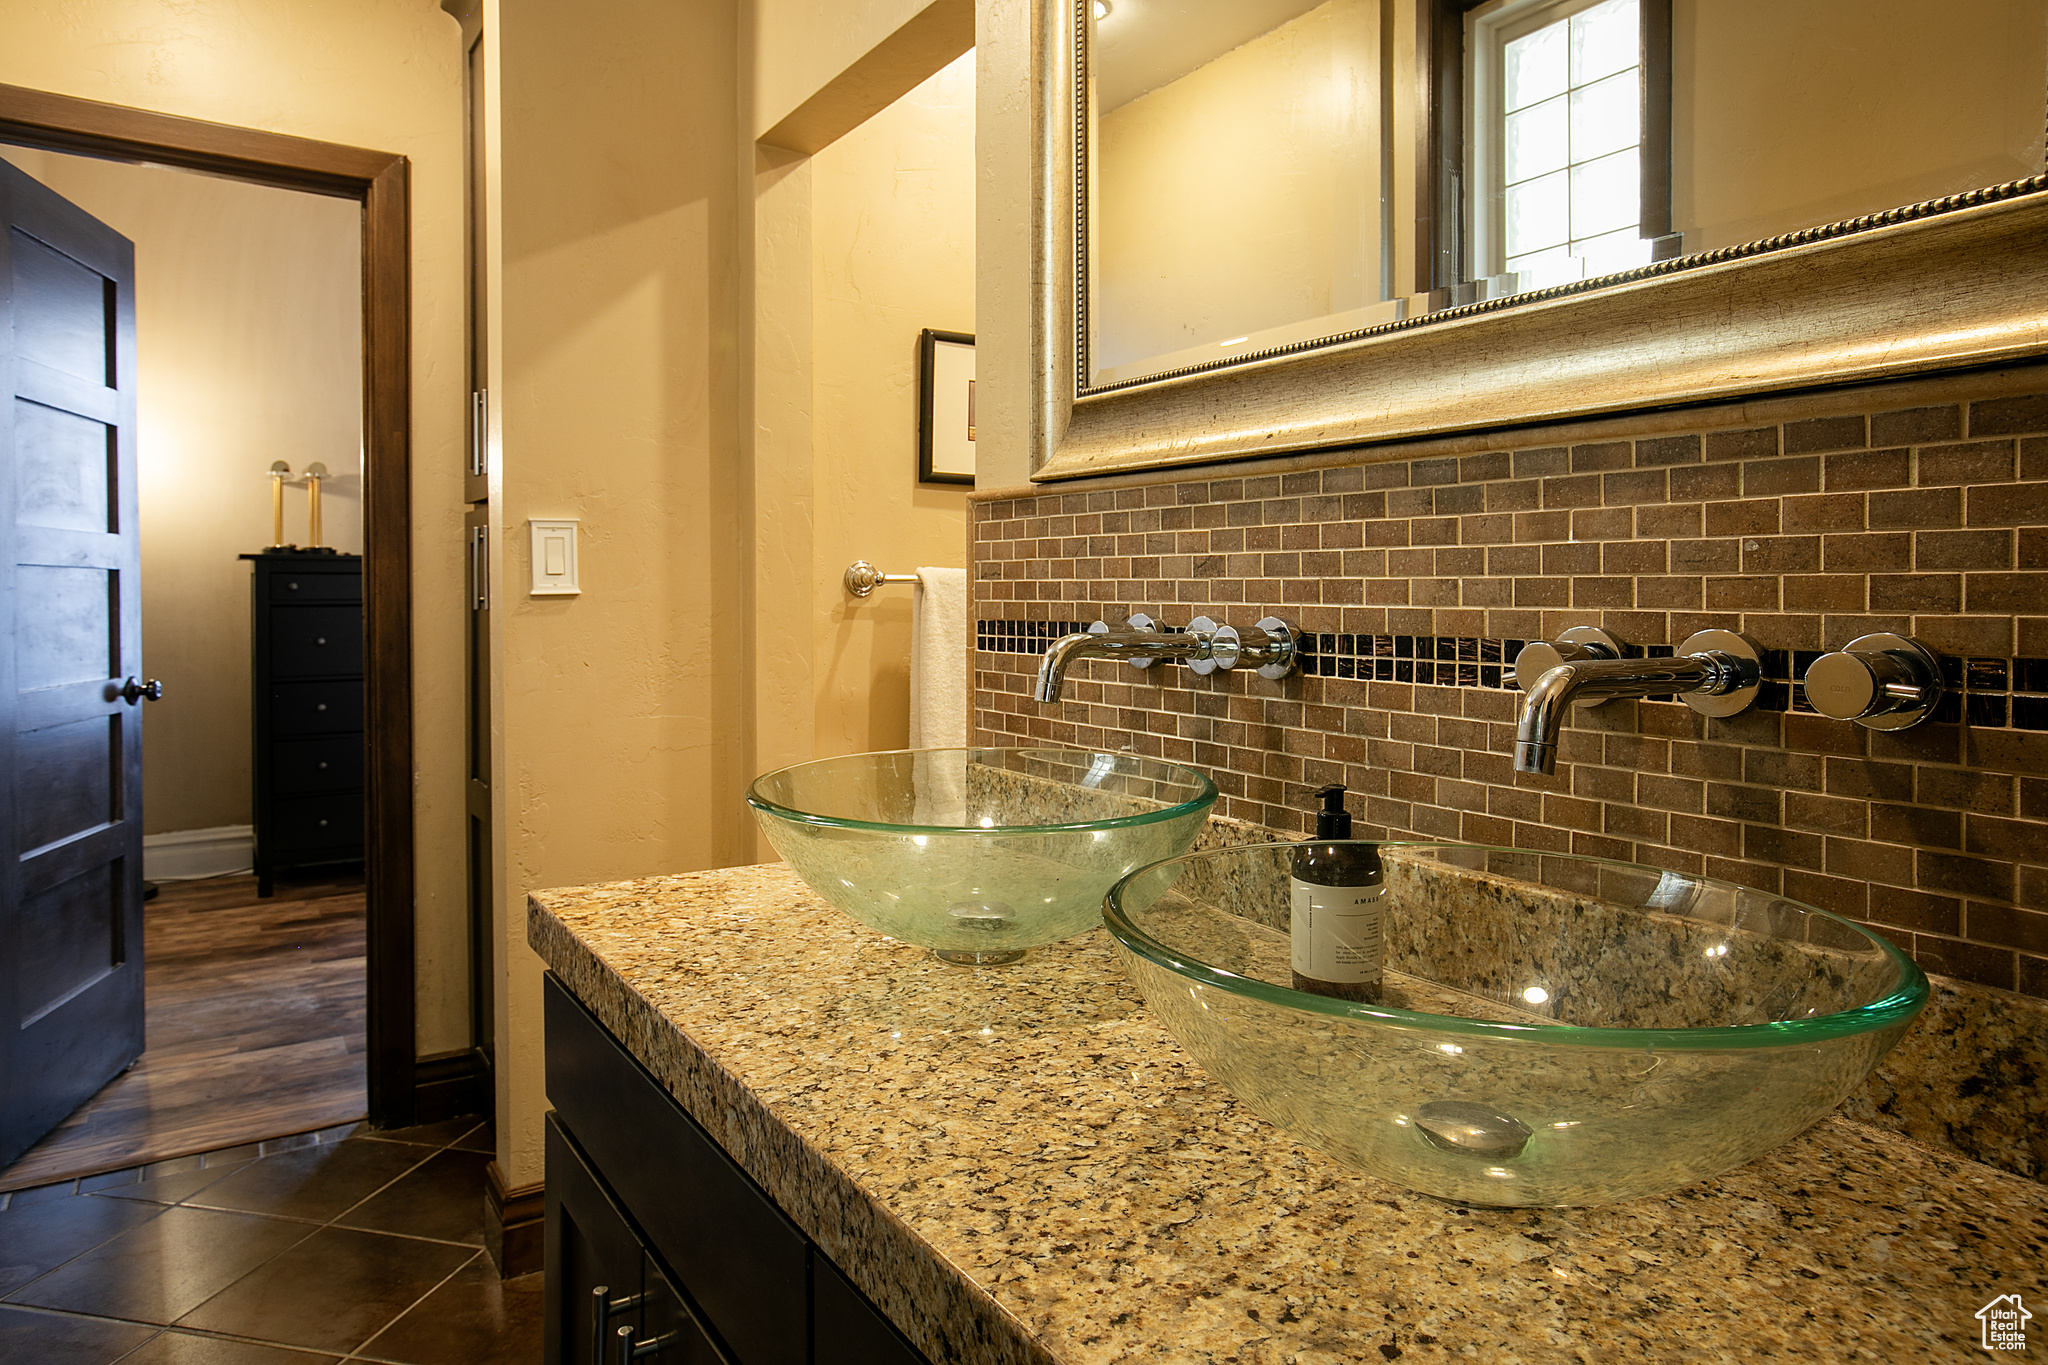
[66, 780]
[64, 626]
[62, 311]
[62, 461]
[69, 938]
[70, 632]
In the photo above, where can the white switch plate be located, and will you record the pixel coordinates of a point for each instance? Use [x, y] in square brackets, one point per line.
[554, 558]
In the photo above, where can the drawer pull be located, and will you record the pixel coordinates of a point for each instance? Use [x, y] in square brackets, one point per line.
[602, 1306]
[323, 824]
[319, 706]
[293, 586]
[323, 765]
[320, 639]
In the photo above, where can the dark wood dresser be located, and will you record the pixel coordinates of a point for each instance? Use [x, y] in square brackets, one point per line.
[307, 675]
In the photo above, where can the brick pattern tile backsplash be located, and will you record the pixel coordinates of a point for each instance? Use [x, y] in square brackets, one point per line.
[1418, 578]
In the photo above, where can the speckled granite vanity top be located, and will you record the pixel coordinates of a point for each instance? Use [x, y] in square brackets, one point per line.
[1018, 1164]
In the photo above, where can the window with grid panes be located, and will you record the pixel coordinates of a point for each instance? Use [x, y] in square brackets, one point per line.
[1556, 135]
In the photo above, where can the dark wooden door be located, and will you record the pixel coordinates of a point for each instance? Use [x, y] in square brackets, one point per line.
[70, 643]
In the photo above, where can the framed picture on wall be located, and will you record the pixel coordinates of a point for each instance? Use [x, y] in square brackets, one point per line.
[945, 415]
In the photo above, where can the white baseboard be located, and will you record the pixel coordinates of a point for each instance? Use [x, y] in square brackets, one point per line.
[184, 854]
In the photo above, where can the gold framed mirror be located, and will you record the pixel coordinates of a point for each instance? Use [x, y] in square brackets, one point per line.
[1446, 310]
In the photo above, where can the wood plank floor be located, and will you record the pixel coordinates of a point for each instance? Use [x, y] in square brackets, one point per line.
[255, 1029]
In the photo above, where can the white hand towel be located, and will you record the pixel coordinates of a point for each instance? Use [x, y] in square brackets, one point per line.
[938, 660]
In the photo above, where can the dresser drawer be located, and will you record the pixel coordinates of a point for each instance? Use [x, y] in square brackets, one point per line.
[313, 642]
[316, 587]
[305, 767]
[306, 824]
[316, 708]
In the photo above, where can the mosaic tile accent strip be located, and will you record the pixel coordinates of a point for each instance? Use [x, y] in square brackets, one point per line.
[1924, 514]
[1991, 692]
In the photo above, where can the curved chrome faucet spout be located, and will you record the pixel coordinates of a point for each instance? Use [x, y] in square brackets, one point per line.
[1136, 644]
[1716, 672]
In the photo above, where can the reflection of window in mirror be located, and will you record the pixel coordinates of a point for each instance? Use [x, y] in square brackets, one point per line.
[1572, 175]
[1603, 134]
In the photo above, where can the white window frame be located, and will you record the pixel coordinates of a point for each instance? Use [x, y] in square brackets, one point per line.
[1489, 28]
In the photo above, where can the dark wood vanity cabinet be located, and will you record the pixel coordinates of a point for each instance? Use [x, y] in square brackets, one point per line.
[307, 708]
[695, 1258]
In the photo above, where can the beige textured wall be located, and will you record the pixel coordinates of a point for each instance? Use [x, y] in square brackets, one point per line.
[384, 74]
[799, 46]
[623, 713]
[249, 349]
[893, 247]
[1010, 393]
[1245, 195]
[1822, 110]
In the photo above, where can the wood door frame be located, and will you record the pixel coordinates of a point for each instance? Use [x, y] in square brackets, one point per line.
[381, 183]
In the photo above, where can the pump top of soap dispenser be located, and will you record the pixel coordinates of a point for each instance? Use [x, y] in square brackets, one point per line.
[1332, 821]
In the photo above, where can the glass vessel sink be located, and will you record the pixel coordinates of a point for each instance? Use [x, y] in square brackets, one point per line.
[978, 854]
[1553, 1030]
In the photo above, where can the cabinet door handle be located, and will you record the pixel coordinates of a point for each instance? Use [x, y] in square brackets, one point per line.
[631, 1350]
[602, 1306]
[479, 568]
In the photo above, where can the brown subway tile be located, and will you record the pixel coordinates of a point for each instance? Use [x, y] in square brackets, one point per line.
[1920, 911]
[1916, 509]
[2032, 551]
[1769, 478]
[1864, 552]
[1635, 822]
[1978, 636]
[1827, 814]
[1786, 847]
[1602, 457]
[1870, 780]
[1916, 592]
[1632, 556]
[1697, 483]
[1670, 450]
[1966, 961]
[1826, 592]
[1606, 523]
[1991, 550]
[1579, 490]
[1750, 444]
[1914, 426]
[1938, 871]
[1705, 556]
[1670, 593]
[1841, 895]
[1823, 512]
[2023, 504]
[1973, 462]
[1758, 516]
[2009, 416]
[2026, 930]
[1868, 469]
[1742, 594]
[1670, 520]
[1821, 735]
[2023, 841]
[1916, 825]
[1742, 803]
[2033, 976]
[1713, 837]
[1635, 486]
[1825, 433]
[1781, 554]
[1885, 863]
[2013, 592]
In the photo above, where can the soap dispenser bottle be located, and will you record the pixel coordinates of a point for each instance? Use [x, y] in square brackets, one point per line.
[1339, 941]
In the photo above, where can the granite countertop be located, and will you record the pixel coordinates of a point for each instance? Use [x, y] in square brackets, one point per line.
[1019, 1164]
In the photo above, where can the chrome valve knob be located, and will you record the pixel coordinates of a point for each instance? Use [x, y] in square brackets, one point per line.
[1577, 645]
[1885, 682]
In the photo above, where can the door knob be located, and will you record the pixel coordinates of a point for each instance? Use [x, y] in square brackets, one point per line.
[1885, 682]
[133, 691]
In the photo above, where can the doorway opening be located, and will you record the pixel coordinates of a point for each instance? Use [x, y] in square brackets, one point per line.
[377, 183]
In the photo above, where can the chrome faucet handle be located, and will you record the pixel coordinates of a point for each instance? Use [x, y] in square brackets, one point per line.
[1735, 672]
[1882, 682]
[1137, 620]
[1580, 644]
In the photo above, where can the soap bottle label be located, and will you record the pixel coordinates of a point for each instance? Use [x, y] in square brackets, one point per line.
[1336, 932]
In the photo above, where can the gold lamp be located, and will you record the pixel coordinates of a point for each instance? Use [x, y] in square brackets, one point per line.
[279, 472]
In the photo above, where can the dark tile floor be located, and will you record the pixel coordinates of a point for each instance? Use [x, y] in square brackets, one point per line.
[342, 1244]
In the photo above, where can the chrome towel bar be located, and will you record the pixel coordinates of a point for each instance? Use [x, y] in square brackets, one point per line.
[863, 578]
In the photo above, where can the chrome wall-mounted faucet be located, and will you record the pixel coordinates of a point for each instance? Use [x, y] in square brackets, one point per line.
[1715, 672]
[1882, 682]
[1204, 646]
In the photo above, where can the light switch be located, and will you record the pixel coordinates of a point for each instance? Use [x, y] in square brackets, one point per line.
[554, 558]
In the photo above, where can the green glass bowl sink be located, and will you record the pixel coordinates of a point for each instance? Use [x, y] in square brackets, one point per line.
[1553, 1030]
[978, 854]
